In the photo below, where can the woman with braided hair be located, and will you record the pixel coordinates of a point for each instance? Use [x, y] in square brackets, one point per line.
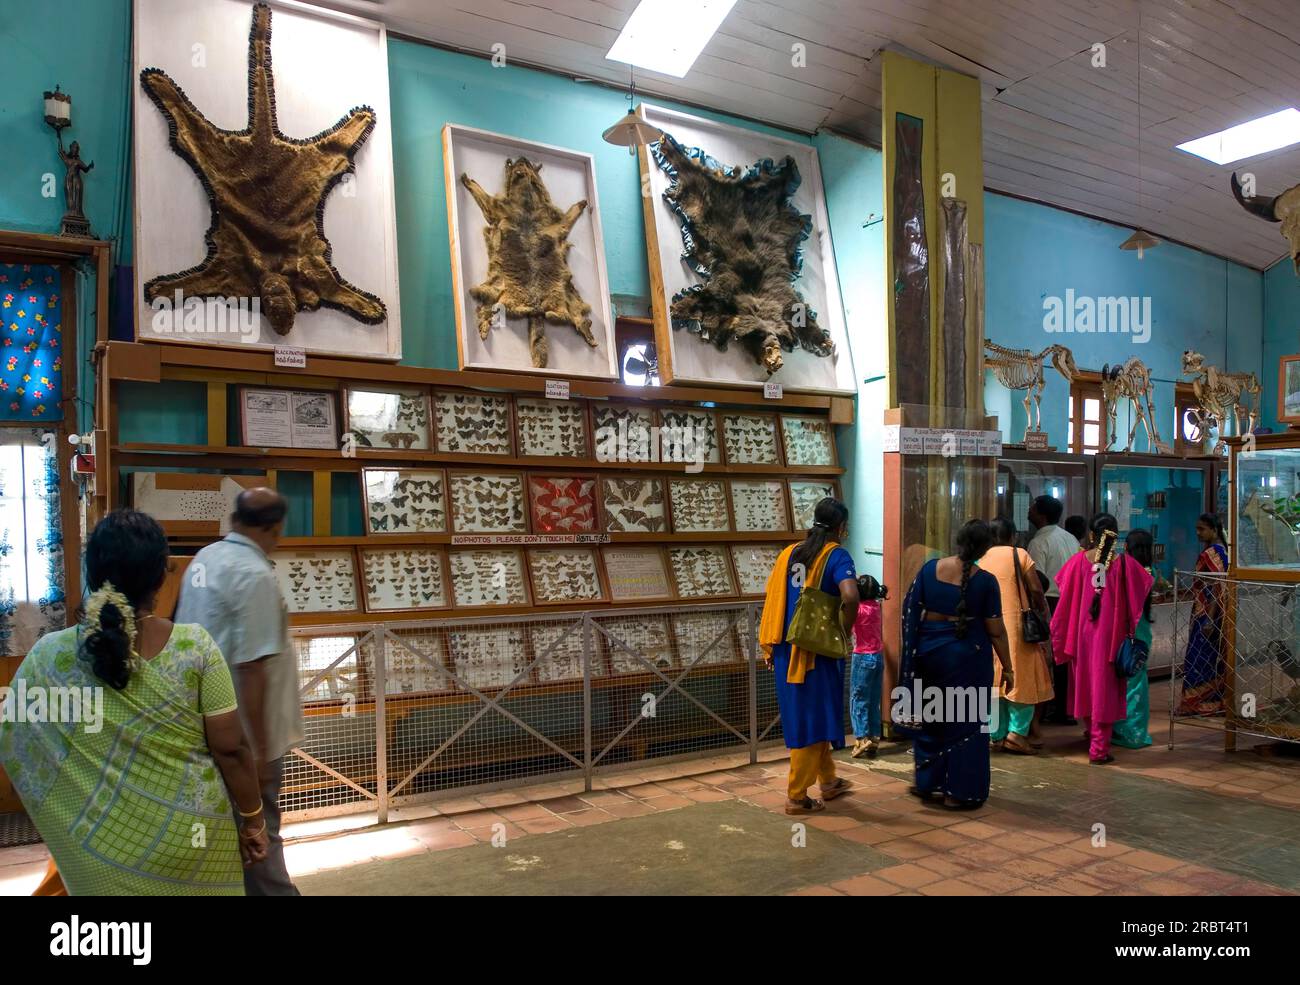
[132, 793]
[1102, 595]
[952, 626]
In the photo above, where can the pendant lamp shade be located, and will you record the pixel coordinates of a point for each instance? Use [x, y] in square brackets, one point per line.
[631, 132]
[1141, 240]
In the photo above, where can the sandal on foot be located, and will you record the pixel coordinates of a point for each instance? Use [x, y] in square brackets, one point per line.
[832, 790]
[952, 804]
[872, 748]
[805, 806]
[924, 794]
[859, 749]
[1108, 758]
[1017, 746]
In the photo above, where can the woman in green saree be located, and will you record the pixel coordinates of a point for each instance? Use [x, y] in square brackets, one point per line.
[128, 784]
[1131, 733]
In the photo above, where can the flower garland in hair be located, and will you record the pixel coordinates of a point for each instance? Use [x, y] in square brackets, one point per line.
[94, 609]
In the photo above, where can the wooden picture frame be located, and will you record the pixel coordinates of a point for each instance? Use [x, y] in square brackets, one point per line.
[439, 563]
[393, 523]
[742, 454]
[673, 419]
[310, 562]
[528, 410]
[623, 444]
[460, 443]
[407, 666]
[781, 500]
[787, 429]
[719, 629]
[555, 653]
[393, 439]
[621, 516]
[297, 403]
[555, 524]
[546, 597]
[687, 552]
[489, 556]
[1288, 389]
[569, 176]
[487, 658]
[165, 495]
[625, 629]
[801, 515]
[619, 560]
[684, 524]
[758, 584]
[685, 358]
[455, 520]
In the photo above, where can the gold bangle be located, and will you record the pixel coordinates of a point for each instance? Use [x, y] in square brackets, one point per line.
[249, 813]
[253, 834]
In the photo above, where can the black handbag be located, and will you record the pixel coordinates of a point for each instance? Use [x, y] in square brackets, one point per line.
[1133, 652]
[1033, 627]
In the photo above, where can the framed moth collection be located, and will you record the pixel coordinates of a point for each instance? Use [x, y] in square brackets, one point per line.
[807, 440]
[700, 571]
[487, 502]
[388, 419]
[688, 435]
[401, 578]
[631, 637]
[340, 673]
[759, 504]
[623, 432]
[190, 503]
[551, 428]
[753, 563]
[563, 504]
[405, 501]
[636, 572]
[488, 576]
[418, 662]
[634, 505]
[557, 653]
[317, 580]
[805, 494]
[564, 574]
[488, 658]
[751, 439]
[705, 638]
[472, 423]
[699, 505]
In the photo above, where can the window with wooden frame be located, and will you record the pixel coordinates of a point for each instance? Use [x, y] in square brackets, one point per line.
[1087, 428]
[1189, 432]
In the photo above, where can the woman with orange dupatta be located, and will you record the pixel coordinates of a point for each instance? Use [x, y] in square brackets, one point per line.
[809, 686]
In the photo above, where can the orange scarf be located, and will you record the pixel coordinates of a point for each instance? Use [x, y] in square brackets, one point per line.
[771, 628]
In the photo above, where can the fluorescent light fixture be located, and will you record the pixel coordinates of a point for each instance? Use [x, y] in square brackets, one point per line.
[1248, 139]
[666, 36]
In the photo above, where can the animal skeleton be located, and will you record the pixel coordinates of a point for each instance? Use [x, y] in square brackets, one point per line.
[1131, 381]
[1220, 395]
[1283, 208]
[528, 259]
[1019, 369]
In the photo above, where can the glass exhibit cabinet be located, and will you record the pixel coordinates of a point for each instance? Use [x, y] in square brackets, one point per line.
[1024, 475]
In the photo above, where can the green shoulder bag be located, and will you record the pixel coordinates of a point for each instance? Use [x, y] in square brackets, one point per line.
[816, 626]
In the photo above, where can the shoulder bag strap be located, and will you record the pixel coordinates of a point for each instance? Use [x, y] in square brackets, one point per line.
[1022, 587]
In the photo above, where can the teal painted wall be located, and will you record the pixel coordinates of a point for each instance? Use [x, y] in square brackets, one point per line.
[1198, 302]
[1281, 330]
[854, 186]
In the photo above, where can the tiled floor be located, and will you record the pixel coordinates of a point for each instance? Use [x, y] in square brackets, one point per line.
[1192, 820]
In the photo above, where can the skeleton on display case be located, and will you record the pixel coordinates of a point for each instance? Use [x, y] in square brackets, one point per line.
[1131, 381]
[1220, 396]
[1020, 369]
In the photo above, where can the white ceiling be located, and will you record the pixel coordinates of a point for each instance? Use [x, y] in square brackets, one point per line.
[1055, 129]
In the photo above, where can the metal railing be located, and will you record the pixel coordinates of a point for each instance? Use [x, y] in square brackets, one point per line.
[396, 713]
[1235, 661]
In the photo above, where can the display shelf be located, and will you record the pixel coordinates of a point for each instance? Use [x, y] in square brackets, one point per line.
[1264, 507]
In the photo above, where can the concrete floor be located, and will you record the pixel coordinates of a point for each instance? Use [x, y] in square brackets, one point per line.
[1194, 820]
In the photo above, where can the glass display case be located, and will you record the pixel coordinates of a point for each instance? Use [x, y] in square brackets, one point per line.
[1024, 475]
[1266, 508]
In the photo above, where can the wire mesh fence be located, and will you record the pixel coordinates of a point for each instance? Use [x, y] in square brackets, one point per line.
[1235, 664]
[401, 712]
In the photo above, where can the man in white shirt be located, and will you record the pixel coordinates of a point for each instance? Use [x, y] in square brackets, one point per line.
[1050, 548]
[231, 591]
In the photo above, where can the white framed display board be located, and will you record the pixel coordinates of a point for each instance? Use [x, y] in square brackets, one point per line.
[685, 358]
[203, 46]
[569, 177]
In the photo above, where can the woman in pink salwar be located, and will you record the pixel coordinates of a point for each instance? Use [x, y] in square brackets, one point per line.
[1101, 601]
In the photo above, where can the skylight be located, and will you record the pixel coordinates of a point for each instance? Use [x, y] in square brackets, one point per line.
[1247, 139]
[667, 36]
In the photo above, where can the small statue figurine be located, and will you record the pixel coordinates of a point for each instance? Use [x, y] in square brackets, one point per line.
[75, 222]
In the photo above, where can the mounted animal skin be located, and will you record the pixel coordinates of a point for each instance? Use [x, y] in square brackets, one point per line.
[743, 237]
[267, 192]
[1283, 208]
[528, 259]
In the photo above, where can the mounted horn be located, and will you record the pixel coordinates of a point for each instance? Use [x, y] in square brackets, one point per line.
[1256, 204]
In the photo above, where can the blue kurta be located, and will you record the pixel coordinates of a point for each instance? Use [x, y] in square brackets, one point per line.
[813, 711]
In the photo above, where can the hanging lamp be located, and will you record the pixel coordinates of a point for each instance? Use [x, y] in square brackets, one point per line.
[631, 131]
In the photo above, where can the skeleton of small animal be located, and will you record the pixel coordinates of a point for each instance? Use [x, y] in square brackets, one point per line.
[1220, 396]
[1283, 208]
[1131, 381]
[528, 259]
[1020, 369]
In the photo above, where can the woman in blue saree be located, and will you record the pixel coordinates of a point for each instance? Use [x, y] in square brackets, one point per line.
[1203, 666]
[952, 625]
